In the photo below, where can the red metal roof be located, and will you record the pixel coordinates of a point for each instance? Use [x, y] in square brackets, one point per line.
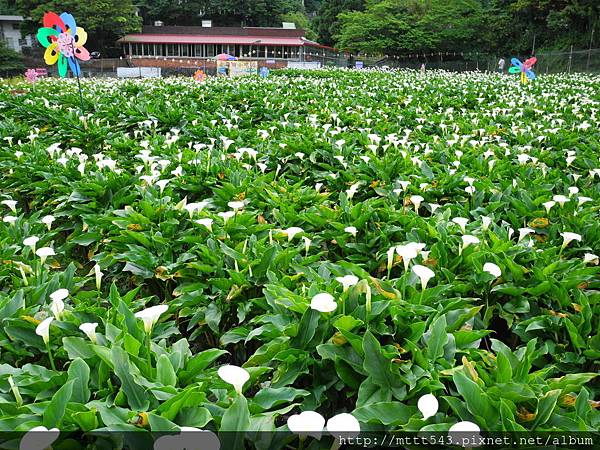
[224, 31]
[198, 39]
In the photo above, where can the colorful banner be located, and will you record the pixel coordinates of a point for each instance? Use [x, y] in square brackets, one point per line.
[236, 68]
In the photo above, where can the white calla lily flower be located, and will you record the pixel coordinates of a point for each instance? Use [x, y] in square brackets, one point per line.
[31, 242]
[408, 253]
[291, 232]
[234, 375]
[227, 215]
[560, 199]
[416, 200]
[44, 252]
[151, 315]
[492, 269]
[207, 222]
[57, 307]
[352, 230]
[48, 220]
[428, 405]
[468, 239]
[323, 302]
[549, 205]
[468, 430]
[12, 205]
[424, 273]
[236, 205]
[485, 222]
[342, 426]
[39, 438]
[307, 423]
[524, 232]
[307, 243]
[98, 276]
[90, 330]
[43, 329]
[569, 237]
[347, 281]
[59, 294]
[461, 222]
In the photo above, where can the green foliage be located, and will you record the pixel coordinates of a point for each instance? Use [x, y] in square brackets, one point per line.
[324, 168]
[405, 26]
[8, 7]
[301, 20]
[223, 12]
[11, 62]
[327, 24]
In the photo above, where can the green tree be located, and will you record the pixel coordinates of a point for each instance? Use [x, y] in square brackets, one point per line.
[8, 7]
[400, 26]
[327, 24]
[11, 62]
[221, 12]
[302, 21]
[555, 24]
[104, 21]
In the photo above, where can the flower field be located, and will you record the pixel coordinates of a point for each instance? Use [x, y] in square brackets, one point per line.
[416, 251]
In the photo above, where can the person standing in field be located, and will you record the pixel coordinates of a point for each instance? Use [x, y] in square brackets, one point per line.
[501, 64]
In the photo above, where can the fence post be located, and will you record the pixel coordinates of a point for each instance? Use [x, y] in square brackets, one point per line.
[587, 65]
[570, 58]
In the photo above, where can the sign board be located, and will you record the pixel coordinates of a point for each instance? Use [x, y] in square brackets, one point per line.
[304, 65]
[270, 61]
[237, 68]
[138, 72]
[41, 72]
[359, 64]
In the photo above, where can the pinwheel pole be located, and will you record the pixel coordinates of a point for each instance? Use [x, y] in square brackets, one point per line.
[78, 82]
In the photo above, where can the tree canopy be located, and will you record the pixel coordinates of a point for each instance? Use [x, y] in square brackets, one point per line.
[221, 12]
[403, 26]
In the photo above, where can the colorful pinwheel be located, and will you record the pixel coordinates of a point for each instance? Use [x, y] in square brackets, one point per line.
[524, 68]
[64, 42]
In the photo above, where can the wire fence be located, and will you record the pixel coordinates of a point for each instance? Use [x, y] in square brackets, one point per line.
[547, 62]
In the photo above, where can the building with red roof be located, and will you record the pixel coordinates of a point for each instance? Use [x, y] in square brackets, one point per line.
[205, 42]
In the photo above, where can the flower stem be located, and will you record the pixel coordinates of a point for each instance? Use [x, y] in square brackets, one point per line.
[50, 356]
[148, 347]
[301, 445]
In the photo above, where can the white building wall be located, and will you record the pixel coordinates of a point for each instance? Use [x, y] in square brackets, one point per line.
[10, 33]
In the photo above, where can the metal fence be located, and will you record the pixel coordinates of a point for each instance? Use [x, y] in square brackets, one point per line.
[547, 62]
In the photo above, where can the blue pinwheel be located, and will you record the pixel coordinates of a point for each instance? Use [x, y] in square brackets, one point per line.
[524, 68]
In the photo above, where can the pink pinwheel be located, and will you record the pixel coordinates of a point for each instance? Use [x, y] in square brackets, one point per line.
[64, 42]
[31, 75]
[524, 68]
